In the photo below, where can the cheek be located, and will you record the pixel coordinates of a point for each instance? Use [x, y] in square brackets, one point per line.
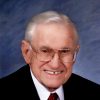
[36, 67]
[69, 66]
[68, 71]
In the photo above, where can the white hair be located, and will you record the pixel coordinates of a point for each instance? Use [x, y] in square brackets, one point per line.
[46, 17]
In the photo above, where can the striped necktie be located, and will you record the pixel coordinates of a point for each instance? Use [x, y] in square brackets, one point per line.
[53, 96]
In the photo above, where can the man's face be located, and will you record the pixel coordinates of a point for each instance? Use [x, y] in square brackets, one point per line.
[55, 72]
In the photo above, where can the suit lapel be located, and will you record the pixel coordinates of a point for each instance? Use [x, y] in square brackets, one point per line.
[29, 89]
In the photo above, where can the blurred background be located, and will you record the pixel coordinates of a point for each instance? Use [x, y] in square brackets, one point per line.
[14, 14]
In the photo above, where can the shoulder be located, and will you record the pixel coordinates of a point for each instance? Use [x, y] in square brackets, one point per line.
[81, 86]
[18, 74]
[19, 84]
[79, 81]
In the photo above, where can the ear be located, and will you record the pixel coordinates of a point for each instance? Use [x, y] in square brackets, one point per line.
[77, 50]
[78, 47]
[26, 52]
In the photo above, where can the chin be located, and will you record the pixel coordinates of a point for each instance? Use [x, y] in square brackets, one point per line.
[53, 86]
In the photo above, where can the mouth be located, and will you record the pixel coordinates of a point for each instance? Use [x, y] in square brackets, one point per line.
[53, 72]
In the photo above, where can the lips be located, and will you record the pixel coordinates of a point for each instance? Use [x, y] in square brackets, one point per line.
[53, 72]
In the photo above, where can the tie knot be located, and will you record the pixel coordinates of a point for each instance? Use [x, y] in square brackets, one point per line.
[53, 96]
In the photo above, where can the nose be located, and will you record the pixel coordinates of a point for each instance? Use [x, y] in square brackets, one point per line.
[55, 61]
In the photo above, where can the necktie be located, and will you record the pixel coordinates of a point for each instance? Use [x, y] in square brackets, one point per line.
[53, 96]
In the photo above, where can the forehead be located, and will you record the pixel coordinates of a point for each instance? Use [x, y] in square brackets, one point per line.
[54, 35]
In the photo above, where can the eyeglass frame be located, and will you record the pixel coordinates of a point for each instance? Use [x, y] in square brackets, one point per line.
[53, 54]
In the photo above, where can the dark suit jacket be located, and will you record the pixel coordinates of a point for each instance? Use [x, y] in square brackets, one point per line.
[20, 86]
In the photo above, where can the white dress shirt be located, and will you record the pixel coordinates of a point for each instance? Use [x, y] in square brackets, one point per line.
[43, 92]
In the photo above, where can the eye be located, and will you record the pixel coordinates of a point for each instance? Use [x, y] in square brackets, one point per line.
[65, 51]
[44, 50]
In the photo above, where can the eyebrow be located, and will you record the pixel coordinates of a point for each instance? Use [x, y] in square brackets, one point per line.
[47, 47]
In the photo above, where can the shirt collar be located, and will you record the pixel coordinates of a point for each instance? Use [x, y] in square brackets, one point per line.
[43, 92]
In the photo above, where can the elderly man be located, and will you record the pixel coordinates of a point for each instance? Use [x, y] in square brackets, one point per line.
[49, 48]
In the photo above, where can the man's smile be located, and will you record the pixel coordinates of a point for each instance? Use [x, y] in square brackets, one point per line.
[53, 72]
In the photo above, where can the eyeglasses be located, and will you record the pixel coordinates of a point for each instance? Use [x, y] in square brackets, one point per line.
[46, 54]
